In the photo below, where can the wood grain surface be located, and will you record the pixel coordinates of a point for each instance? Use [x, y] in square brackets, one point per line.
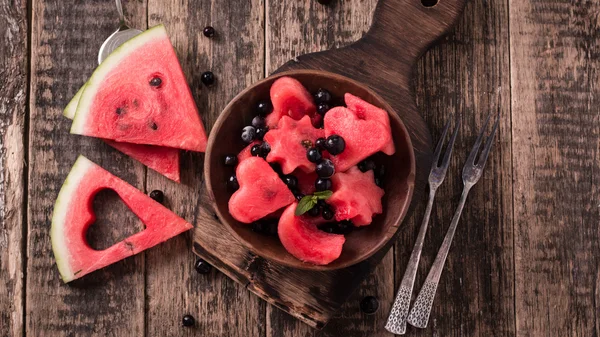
[525, 258]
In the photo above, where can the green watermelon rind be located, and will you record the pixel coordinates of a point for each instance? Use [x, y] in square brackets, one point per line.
[111, 62]
[67, 193]
[71, 108]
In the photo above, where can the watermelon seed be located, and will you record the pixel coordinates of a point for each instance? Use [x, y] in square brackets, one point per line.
[120, 110]
[306, 143]
[136, 103]
[153, 126]
[155, 82]
[158, 196]
[188, 320]
[128, 245]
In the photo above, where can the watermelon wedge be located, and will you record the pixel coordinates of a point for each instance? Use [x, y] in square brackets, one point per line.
[164, 160]
[301, 238]
[290, 98]
[73, 215]
[139, 95]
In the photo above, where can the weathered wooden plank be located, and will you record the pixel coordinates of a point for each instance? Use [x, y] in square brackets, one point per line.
[65, 41]
[13, 96]
[236, 56]
[556, 135]
[467, 75]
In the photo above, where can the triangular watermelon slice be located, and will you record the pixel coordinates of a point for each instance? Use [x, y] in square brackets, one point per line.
[73, 215]
[164, 160]
[139, 95]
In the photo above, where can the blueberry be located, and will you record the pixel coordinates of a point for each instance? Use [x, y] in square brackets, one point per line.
[248, 134]
[325, 169]
[366, 165]
[322, 108]
[322, 96]
[264, 149]
[208, 31]
[158, 196]
[297, 194]
[314, 155]
[202, 267]
[327, 213]
[258, 122]
[188, 320]
[315, 211]
[324, 2]
[255, 150]
[323, 184]
[264, 108]
[208, 78]
[155, 82]
[344, 227]
[260, 133]
[231, 160]
[379, 182]
[335, 144]
[320, 143]
[369, 305]
[328, 228]
[277, 168]
[232, 183]
[291, 181]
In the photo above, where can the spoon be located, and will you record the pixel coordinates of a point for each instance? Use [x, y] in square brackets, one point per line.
[122, 34]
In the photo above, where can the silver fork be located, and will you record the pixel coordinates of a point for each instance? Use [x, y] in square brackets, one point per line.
[396, 322]
[419, 314]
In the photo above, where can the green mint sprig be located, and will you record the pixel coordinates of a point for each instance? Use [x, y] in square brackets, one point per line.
[310, 201]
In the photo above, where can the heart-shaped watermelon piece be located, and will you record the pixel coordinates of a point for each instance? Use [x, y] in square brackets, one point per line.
[301, 238]
[366, 111]
[261, 191]
[289, 98]
[355, 196]
[289, 143]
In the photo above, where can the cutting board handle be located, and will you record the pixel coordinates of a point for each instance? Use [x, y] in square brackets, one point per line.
[410, 25]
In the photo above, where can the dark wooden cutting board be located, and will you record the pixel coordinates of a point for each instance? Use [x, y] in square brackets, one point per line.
[383, 59]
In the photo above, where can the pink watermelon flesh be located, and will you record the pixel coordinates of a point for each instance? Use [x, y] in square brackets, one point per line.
[120, 104]
[73, 215]
[355, 196]
[363, 137]
[306, 181]
[289, 98]
[288, 143]
[164, 160]
[245, 153]
[301, 238]
[261, 191]
[366, 111]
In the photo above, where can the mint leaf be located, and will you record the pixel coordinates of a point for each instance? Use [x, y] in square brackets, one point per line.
[305, 204]
[323, 195]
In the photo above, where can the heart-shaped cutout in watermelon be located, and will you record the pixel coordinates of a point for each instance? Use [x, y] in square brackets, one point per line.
[73, 215]
[289, 98]
[261, 191]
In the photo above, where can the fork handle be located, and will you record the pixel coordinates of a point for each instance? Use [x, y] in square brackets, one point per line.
[419, 314]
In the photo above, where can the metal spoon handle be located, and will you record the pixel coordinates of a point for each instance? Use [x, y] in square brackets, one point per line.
[120, 10]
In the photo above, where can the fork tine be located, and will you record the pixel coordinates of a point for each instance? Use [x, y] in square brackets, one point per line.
[488, 144]
[475, 150]
[438, 148]
[450, 146]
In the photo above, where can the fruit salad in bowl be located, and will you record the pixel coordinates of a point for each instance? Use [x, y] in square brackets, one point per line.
[310, 169]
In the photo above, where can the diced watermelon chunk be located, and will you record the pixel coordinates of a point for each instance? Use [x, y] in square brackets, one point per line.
[289, 98]
[261, 191]
[289, 143]
[366, 111]
[301, 238]
[355, 196]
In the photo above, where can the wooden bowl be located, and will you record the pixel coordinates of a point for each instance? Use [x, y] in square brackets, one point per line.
[361, 243]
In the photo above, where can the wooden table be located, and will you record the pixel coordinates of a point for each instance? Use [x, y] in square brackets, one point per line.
[526, 257]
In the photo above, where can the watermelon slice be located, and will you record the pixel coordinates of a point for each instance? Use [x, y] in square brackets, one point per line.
[139, 94]
[73, 215]
[261, 191]
[366, 111]
[164, 160]
[289, 98]
[363, 137]
[289, 143]
[355, 196]
[301, 238]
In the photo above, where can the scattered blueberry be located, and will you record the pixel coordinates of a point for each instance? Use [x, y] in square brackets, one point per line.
[366, 165]
[202, 267]
[325, 169]
[158, 196]
[188, 320]
[327, 213]
[255, 150]
[232, 183]
[264, 108]
[298, 195]
[380, 171]
[208, 31]
[335, 144]
[231, 160]
[328, 228]
[270, 228]
[315, 211]
[323, 184]
[322, 108]
[314, 155]
[258, 122]
[291, 181]
[322, 95]
[264, 150]
[344, 227]
[248, 134]
[379, 182]
[320, 143]
[260, 133]
[369, 305]
[277, 168]
[155, 82]
[208, 78]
